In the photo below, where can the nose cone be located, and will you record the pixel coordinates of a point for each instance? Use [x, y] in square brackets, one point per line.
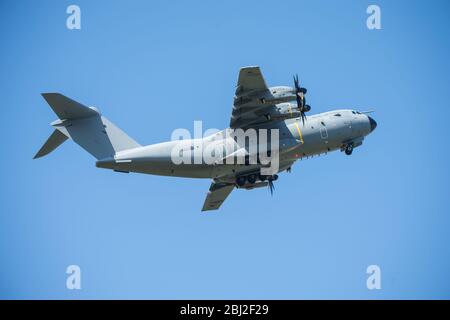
[373, 124]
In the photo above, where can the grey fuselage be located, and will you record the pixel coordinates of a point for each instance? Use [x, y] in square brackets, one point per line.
[320, 133]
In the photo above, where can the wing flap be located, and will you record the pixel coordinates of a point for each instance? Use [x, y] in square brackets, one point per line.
[250, 100]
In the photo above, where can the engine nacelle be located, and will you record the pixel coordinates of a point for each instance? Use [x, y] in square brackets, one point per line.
[274, 95]
[282, 112]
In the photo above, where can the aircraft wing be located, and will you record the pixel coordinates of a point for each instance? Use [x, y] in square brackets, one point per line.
[251, 79]
[249, 106]
[217, 194]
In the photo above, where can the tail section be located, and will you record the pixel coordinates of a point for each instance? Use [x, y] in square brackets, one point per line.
[86, 126]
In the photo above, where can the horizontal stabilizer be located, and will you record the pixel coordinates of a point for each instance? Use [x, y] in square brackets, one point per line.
[53, 142]
[66, 108]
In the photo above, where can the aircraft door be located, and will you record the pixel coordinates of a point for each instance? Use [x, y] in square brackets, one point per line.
[323, 132]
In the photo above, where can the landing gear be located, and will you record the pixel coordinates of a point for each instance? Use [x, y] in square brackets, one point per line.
[251, 178]
[240, 181]
[349, 149]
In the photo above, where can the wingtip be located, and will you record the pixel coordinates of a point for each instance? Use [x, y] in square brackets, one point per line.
[249, 67]
[47, 95]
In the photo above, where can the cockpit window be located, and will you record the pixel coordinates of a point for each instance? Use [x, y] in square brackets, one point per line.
[337, 115]
[353, 112]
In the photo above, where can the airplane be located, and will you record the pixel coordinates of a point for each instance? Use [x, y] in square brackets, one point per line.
[256, 106]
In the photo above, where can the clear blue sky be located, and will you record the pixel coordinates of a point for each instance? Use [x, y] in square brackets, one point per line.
[152, 67]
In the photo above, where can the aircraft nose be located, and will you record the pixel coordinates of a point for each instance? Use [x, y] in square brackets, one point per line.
[373, 124]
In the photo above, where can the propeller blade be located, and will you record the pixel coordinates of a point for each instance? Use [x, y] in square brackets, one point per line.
[298, 93]
[299, 101]
[300, 97]
[297, 87]
[271, 187]
[302, 113]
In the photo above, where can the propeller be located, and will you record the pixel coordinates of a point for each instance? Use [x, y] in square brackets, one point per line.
[270, 180]
[300, 97]
[271, 187]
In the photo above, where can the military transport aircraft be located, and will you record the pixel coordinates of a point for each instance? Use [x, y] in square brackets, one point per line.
[256, 106]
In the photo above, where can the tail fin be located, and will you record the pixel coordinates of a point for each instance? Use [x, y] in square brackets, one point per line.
[86, 126]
